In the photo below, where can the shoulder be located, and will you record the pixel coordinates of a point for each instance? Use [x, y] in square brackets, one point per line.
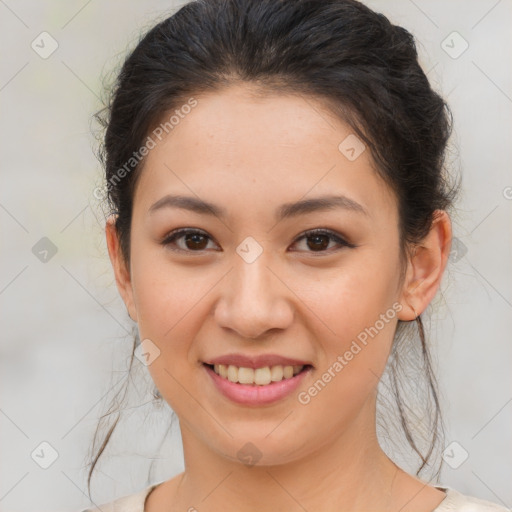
[131, 503]
[458, 502]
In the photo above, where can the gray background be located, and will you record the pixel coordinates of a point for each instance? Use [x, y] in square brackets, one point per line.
[65, 334]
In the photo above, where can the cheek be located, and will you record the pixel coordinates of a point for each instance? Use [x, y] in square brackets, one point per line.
[358, 309]
[170, 311]
[351, 298]
[165, 294]
[172, 306]
[352, 363]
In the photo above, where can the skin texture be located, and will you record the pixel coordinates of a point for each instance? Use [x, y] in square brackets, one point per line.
[250, 154]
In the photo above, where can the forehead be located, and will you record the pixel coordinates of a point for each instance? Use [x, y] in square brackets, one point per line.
[268, 149]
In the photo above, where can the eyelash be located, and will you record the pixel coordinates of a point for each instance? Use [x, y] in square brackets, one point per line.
[173, 236]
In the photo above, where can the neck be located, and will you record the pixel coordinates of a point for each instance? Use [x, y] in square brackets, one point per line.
[348, 472]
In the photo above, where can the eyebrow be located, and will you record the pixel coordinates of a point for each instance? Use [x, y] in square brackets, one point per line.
[285, 211]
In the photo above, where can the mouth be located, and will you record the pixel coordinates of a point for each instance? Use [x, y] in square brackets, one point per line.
[263, 376]
[256, 387]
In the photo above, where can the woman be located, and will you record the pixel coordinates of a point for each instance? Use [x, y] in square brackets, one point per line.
[279, 213]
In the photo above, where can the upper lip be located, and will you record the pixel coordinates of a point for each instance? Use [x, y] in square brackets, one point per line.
[260, 361]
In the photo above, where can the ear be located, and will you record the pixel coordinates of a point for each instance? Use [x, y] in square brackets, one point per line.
[121, 270]
[426, 267]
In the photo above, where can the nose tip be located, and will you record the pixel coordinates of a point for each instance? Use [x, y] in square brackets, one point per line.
[250, 319]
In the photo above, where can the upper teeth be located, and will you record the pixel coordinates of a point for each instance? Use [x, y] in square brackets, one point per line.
[258, 376]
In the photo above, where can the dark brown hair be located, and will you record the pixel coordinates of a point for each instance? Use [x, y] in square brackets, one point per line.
[366, 71]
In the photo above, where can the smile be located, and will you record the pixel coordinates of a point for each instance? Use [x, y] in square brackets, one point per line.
[255, 386]
[256, 376]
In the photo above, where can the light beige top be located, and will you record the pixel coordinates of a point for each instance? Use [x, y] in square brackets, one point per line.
[454, 501]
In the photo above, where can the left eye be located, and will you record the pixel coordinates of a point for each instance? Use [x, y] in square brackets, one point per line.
[317, 240]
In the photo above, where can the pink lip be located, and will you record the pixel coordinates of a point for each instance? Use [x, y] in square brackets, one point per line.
[261, 361]
[251, 394]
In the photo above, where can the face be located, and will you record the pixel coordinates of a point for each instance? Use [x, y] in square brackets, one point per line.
[252, 278]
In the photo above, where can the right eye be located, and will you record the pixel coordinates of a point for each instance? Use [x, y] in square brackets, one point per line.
[193, 240]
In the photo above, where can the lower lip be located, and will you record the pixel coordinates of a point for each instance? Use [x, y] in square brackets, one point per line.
[248, 394]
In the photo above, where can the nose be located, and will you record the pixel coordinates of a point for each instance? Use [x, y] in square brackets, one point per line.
[254, 300]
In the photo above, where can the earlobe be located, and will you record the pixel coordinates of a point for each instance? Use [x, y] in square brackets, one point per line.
[121, 271]
[426, 268]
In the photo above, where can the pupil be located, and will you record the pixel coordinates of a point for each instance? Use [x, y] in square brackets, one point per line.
[195, 240]
[322, 240]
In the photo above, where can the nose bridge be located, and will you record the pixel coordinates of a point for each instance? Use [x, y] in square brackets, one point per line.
[253, 299]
